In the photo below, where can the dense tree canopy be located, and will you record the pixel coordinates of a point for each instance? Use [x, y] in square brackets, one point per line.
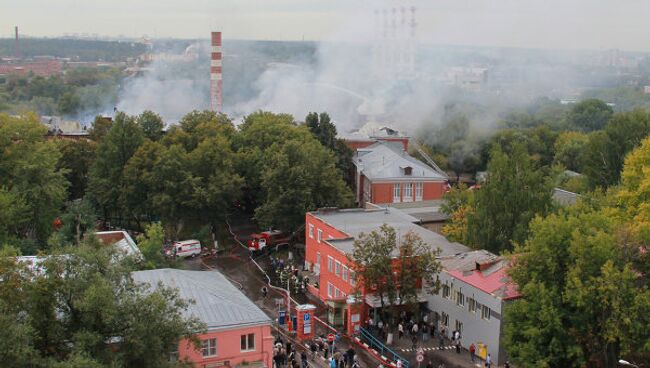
[582, 301]
[80, 307]
[589, 115]
[515, 191]
[31, 185]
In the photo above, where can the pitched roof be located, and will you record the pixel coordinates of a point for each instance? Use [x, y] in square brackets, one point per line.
[490, 277]
[355, 221]
[387, 160]
[218, 303]
[121, 239]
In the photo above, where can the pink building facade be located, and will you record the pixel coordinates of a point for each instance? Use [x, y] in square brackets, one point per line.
[238, 332]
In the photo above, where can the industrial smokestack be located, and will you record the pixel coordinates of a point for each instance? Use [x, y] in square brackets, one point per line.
[17, 45]
[215, 73]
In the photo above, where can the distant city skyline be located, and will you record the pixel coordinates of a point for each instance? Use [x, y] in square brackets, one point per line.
[568, 24]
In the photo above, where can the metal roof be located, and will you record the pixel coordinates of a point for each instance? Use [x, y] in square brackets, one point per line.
[218, 303]
[356, 221]
[386, 160]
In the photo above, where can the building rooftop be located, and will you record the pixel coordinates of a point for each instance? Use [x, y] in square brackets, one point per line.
[121, 239]
[218, 303]
[482, 270]
[564, 197]
[387, 161]
[353, 222]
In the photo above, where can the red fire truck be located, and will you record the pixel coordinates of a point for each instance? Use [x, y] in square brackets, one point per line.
[265, 239]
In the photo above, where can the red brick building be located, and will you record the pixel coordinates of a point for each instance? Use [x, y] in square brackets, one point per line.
[330, 235]
[386, 173]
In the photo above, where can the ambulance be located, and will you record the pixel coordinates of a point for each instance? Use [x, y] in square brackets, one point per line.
[184, 249]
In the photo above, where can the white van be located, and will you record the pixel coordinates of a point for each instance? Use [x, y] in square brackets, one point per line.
[187, 248]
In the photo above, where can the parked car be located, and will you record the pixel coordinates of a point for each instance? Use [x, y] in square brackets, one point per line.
[184, 249]
[266, 239]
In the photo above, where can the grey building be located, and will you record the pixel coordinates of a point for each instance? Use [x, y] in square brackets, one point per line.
[474, 290]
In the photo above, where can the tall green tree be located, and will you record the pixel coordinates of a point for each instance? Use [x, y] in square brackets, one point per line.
[605, 153]
[301, 176]
[151, 245]
[65, 313]
[515, 191]
[29, 176]
[582, 301]
[569, 147]
[589, 115]
[321, 126]
[76, 158]
[372, 262]
[100, 128]
[106, 182]
[151, 124]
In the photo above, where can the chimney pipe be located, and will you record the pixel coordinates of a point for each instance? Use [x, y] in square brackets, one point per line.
[215, 73]
[17, 45]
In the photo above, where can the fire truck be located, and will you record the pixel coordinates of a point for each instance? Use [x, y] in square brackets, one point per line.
[265, 239]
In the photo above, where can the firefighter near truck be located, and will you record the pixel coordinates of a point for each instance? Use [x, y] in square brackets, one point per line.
[268, 239]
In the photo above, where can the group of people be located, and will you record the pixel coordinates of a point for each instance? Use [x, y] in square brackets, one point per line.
[347, 359]
[423, 329]
[285, 356]
[287, 274]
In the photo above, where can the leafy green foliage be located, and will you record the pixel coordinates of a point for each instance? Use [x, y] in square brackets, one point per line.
[393, 271]
[83, 309]
[151, 125]
[589, 115]
[515, 191]
[605, 152]
[299, 179]
[581, 297]
[568, 150]
[29, 178]
[325, 131]
[107, 183]
[76, 158]
[151, 245]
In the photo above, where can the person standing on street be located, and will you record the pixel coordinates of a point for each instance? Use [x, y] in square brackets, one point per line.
[303, 359]
[457, 345]
[414, 330]
[265, 291]
[399, 363]
[472, 352]
[488, 361]
[400, 331]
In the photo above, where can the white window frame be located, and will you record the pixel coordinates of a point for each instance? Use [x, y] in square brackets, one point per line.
[330, 289]
[397, 193]
[311, 231]
[247, 338]
[485, 313]
[419, 191]
[337, 293]
[337, 268]
[471, 305]
[353, 278]
[345, 273]
[446, 290]
[330, 264]
[445, 319]
[320, 235]
[459, 327]
[206, 345]
[408, 192]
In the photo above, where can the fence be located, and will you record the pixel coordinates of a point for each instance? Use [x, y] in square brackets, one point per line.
[382, 349]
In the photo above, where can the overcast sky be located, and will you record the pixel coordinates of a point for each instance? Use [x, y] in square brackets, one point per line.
[567, 24]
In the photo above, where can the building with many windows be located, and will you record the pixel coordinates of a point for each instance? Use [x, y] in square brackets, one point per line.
[386, 173]
[474, 290]
[330, 236]
[238, 331]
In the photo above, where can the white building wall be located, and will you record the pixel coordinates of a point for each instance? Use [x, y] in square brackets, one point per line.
[475, 329]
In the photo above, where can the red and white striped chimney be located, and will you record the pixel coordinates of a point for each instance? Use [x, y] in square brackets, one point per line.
[215, 73]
